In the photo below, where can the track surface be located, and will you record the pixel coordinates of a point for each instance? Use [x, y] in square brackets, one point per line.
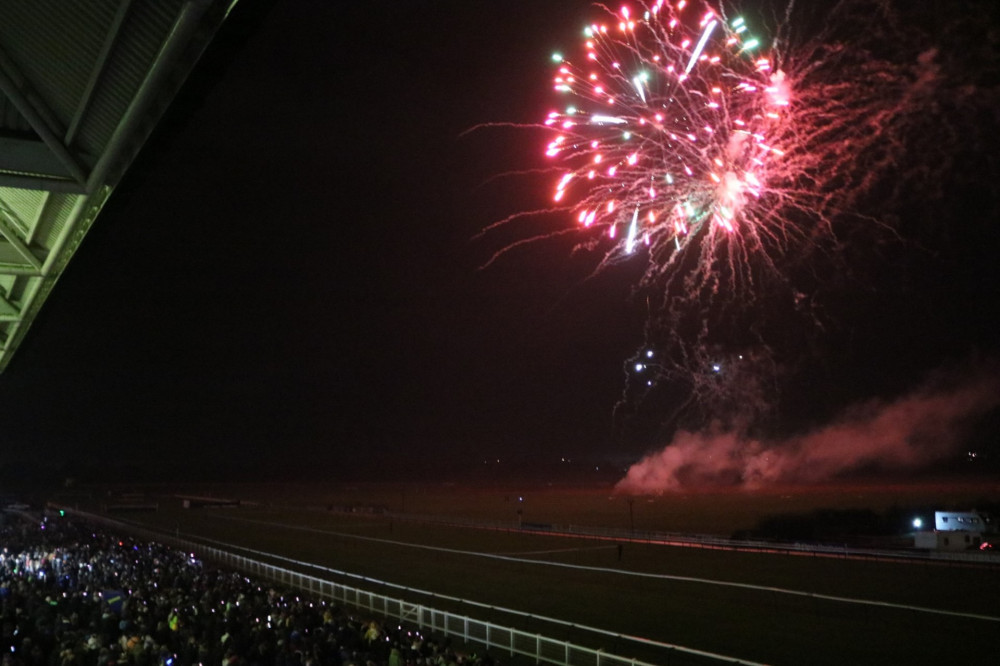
[761, 607]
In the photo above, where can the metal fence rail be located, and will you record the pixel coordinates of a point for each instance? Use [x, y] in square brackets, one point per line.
[467, 629]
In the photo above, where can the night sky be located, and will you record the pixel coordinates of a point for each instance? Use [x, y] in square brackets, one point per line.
[289, 278]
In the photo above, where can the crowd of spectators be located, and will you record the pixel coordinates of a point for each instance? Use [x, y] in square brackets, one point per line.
[73, 595]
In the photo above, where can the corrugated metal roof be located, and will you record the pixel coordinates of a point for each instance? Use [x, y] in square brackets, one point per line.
[11, 120]
[20, 206]
[53, 216]
[55, 44]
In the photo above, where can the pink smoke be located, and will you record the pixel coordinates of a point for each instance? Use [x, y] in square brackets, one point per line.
[909, 433]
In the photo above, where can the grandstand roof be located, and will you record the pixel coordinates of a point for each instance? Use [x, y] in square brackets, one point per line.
[82, 85]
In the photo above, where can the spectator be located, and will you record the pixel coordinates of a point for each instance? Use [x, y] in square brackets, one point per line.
[72, 595]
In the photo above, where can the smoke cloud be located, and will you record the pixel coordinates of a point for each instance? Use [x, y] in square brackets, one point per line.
[909, 433]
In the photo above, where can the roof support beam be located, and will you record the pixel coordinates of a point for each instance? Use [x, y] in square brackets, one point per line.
[55, 257]
[43, 207]
[108, 167]
[10, 235]
[21, 155]
[97, 73]
[18, 181]
[8, 311]
[38, 115]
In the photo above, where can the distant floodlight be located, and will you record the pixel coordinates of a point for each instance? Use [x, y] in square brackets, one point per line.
[917, 523]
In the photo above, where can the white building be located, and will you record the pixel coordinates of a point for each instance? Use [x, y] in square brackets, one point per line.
[965, 521]
[954, 530]
[947, 540]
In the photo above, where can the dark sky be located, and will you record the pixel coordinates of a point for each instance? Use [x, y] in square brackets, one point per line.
[289, 276]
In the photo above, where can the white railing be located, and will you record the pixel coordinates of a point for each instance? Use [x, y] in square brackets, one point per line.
[468, 630]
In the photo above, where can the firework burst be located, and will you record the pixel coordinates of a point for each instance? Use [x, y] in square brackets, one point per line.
[726, 164]
[669, 131]
[680, 132]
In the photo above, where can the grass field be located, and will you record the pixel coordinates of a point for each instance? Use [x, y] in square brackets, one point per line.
[694, 598]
